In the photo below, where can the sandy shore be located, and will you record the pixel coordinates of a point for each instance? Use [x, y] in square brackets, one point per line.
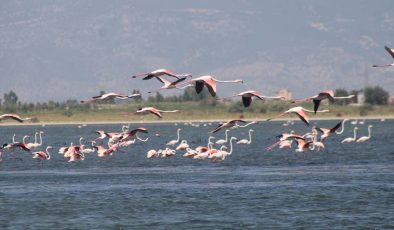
[186, 121]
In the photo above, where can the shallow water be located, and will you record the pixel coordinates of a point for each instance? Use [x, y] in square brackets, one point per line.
[348, 186]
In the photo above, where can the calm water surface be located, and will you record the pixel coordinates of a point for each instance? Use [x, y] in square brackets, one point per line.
[348, 186]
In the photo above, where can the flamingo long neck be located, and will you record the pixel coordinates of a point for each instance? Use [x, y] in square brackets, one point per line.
[40, 138]
[343, 127]
[227, 81]
[355, 133]
[35, 137]
[226, 136]
[13, 138]
[250, 136]
[345, 97]
[168, 111]
[231, 146]
[369, 132]
[178, 135]
[24, 139]
[49, 155]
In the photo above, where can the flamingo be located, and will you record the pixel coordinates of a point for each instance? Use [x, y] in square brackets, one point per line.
[102, 152]
[246, 141]
[201, 149]
[302, 145]
[182, 146]
[132, 134]
[111, 96]
[222, 154]
[173, 142]
[168, 152]
[247, 97]
[153, 153]
[76, 156]
[343, 126]
[223, 141]
[391, 52]
[326, 94]
[154, 111]
[41, 154]
[315, 143]
[284, 137]
[156, 73]
[300, 112]
[171, 85]
[190, 153]
[209, 82]
[365, 138]
[351, 139]
[328, 132]
[231, 123]
[15, 117]
[286, 144]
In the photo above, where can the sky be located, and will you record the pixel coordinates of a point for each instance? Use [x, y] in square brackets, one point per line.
[59, 50]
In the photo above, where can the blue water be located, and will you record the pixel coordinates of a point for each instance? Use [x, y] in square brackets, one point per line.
[348, 186]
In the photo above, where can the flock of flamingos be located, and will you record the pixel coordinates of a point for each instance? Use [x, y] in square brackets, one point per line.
[126, 137]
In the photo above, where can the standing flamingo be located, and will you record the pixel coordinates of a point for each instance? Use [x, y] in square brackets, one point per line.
[247, 97]
[223, 141]
[222, 154]
[209, 82]
[41, 154]
[246, 141]
[153, 153]
[351, 139]
[391, 52]
[154, 111]
[173, 142]
[365, 138]
[182, 146]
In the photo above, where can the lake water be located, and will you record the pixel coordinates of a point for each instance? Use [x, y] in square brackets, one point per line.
[348, 186]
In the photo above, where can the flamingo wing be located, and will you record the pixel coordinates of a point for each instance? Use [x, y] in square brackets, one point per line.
[211, 85]
[199, 86]
[391, 51]
[316, 104]
[332, 130]
[301, 114]
[155, 112]
[217, 128]
[246, 101]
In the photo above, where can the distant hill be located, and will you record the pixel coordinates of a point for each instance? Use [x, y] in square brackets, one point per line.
[55, 50]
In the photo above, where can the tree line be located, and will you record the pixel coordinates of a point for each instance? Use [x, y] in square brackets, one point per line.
[10, 103]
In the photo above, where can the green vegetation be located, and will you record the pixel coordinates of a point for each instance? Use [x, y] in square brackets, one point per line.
[192, 106]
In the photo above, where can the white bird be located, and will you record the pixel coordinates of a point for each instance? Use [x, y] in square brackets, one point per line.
[173, 142]
[365, 138]
[246, 141]
[223, 141]
[183, 145]
[153, 153]
[351, 139]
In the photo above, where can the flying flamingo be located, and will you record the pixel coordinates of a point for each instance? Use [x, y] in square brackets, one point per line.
[365, 138]
[391, 52]
[111, 96]
[284, 137]
[174, 142]
[351, 139]
[232, 123]
[41, 154]
[326, 94]
[154, 111]
[15, 117]
[102, 152]
[246, 141]
[209, 82]
[302, 145]
[247, 97]
[328, 132]
[170, 85]
[132, 134]
[156, 73]
[223, 141]
[300, 112]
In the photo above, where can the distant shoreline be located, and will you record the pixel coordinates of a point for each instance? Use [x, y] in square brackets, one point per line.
[186, 121]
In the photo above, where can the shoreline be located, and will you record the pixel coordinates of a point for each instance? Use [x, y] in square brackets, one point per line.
[188, 121]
